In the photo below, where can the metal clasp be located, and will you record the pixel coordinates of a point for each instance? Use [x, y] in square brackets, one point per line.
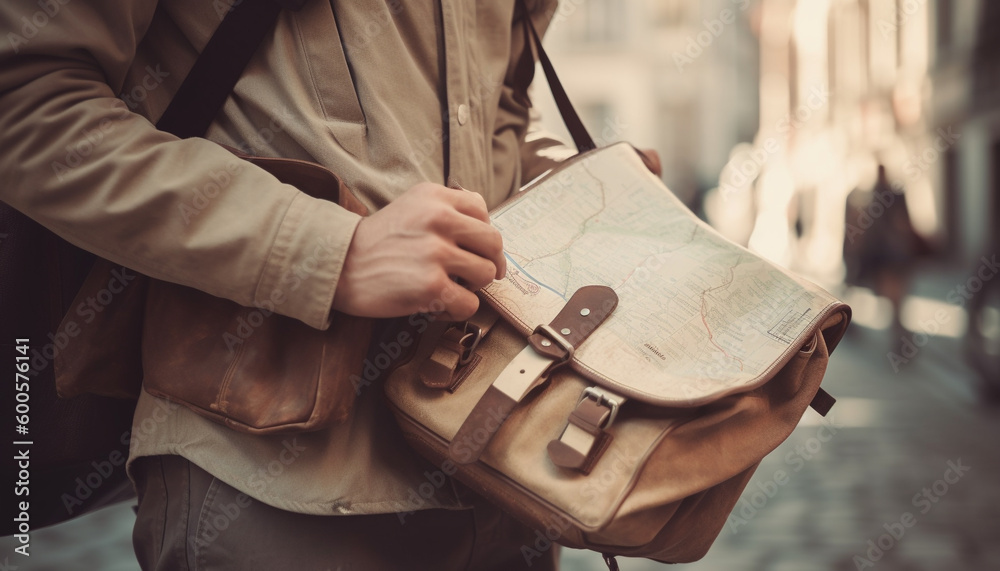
[604, 399]
[470, 340]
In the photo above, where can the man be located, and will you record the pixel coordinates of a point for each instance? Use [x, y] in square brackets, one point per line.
[402, 101]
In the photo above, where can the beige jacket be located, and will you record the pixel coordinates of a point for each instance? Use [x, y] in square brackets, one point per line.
[384, 93]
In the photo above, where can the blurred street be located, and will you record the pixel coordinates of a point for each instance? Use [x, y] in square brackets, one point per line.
[896, 433]
[891, 436]
[856, 143]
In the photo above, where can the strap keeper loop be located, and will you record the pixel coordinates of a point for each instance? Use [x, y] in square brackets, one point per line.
[554, 336]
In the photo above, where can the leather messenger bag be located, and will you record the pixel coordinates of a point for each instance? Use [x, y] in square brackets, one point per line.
[282, 375]
[618, 388]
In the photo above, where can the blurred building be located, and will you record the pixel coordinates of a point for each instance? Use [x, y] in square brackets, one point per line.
[966, 98]
[780, 108]
[843, 88]
[674, 75]
[911, 84]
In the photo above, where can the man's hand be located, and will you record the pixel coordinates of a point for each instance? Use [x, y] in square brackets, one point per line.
[651, 159]
[403, 258]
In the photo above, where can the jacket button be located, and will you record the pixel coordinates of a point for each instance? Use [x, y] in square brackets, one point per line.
[463, 114]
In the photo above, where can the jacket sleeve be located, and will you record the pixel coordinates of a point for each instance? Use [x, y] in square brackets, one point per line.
[77, 160]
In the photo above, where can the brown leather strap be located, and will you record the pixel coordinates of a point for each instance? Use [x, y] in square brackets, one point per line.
[590, 416]
[479, 427]
[822, 402]
[454, 349]
[439, 369]
[584, 439]
[526, 69]
[583, 313]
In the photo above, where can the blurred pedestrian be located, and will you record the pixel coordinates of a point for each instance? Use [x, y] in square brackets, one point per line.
[881, 244]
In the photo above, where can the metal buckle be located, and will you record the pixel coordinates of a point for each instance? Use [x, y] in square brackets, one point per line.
[602, 398]
[469, 341]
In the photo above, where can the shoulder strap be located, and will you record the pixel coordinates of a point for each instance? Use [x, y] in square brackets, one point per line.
[218, 67]
[582, 139]
[214, 74]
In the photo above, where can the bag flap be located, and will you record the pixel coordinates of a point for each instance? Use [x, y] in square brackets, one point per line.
[699, 317]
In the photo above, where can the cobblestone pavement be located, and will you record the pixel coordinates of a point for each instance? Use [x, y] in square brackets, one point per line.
[896, 434]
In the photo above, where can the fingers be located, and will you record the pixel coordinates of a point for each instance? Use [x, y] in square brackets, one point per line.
[651, 159]
[480, 239]
[459, 303]
[469, 203]
[450, 301]
[472, 230]
[403, 258]
[467, 224]
[475, 271]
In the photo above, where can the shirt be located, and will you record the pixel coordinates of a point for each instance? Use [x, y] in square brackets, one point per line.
[386, 94]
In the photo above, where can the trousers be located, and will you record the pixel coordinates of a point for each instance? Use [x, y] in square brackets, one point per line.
[189, 520]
